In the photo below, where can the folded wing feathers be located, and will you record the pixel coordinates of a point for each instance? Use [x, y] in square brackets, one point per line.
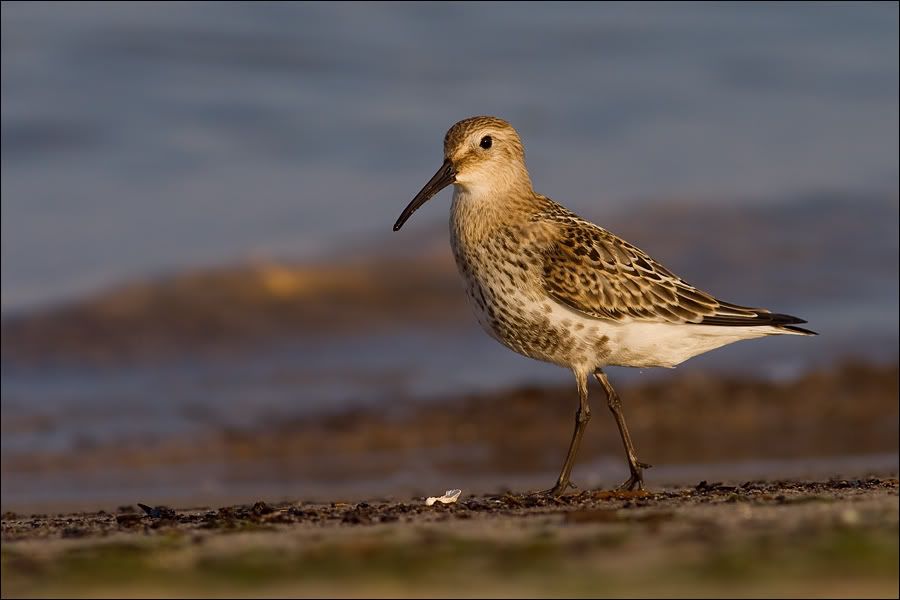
[595, 272]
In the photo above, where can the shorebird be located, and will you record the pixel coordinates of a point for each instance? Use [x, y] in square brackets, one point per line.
[554, 287]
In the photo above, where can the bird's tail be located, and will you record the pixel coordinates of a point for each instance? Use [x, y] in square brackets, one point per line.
[786, 324]
[732, 315]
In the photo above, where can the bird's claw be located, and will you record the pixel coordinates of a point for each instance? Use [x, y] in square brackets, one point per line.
[633, 482]
[557, 490]
[636, 481]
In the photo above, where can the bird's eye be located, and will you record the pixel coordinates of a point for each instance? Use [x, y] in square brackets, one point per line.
[486, 142]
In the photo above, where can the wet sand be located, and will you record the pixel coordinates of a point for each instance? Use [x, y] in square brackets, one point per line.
[806, 538]
[842, 421]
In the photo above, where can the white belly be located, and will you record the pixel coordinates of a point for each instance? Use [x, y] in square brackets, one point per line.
[557, 334]
[647, 344]
[540, 328]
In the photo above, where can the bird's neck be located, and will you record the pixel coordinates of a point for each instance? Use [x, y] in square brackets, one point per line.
[478, 211]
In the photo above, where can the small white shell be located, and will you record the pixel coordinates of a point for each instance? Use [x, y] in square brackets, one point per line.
[449, 497]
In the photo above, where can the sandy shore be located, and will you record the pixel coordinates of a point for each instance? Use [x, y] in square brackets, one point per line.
[827, 538]
[837, 422]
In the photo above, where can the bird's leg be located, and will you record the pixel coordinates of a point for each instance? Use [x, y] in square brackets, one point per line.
[615, 405]
[581, 420]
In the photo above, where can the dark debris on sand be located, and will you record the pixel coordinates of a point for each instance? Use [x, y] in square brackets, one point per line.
[583, 506]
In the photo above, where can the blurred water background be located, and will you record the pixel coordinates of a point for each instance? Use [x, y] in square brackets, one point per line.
[141, 140]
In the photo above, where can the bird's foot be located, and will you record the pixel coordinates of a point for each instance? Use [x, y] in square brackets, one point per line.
[636, 481]
[557, 490]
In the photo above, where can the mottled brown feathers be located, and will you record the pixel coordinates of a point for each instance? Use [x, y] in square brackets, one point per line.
[597, 273]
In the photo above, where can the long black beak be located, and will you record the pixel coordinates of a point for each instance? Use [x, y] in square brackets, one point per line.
[444, 177]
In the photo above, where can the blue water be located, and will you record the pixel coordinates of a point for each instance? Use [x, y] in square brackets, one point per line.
[144, 137]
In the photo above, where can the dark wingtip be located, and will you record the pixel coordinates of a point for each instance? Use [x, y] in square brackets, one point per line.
[781, 321]
[799, 329]
[790, 322]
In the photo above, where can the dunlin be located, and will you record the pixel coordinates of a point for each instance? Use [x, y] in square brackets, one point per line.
[557, 288]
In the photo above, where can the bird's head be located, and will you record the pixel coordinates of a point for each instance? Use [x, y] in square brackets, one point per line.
[482, 155]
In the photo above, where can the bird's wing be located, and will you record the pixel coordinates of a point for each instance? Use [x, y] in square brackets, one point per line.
[597, 273]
